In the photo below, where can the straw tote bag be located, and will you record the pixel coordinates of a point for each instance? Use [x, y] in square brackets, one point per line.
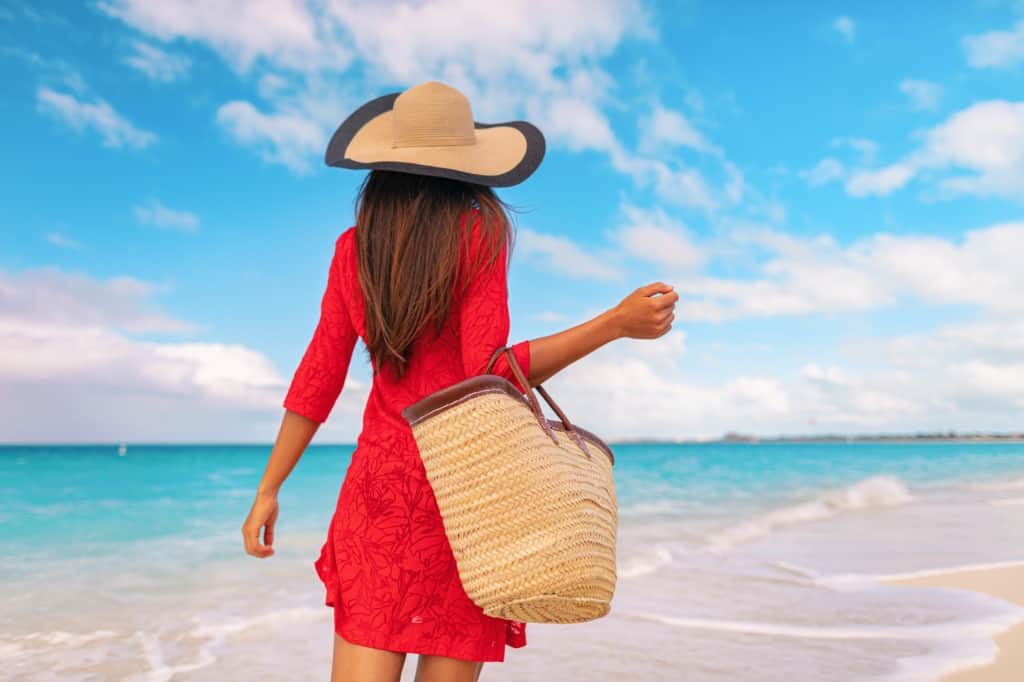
[528, 503]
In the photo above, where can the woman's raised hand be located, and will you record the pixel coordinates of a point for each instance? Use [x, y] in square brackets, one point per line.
[647, 313]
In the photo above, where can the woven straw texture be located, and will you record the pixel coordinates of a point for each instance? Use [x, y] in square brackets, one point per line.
[532, 525]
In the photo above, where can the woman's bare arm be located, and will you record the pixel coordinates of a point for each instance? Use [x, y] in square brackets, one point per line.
[294, 435]
[292, 438]
[550, 354]
[646, 313]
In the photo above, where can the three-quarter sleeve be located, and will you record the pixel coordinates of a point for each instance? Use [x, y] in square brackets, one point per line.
[484, 322]
[321, 374]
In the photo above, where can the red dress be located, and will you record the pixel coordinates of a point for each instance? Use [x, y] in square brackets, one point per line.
[387, 566]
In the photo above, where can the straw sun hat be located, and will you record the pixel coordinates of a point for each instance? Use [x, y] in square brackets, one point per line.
[429, 130]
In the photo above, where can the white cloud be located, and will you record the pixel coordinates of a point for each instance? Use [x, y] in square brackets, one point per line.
[773, 210]
[1001, 382]
[158, 64]
[549, 316]
[74, 80]
[662, 131]
[156, 214]
[985, 139]
[414, 42]
[806, 276]
[882, 181]
[529, 57]
[837, 396]
[831, 169]
[545, 66]
[578, 124]
[667, 127]
[115, 130]
[55, 298]
[930, 381]
[662, 355]
[999, 339]
[982, 270]
[865, 147]
[652, 235]
[84, 382]
[65, 242]
[846, 26]
[967, 375]
[285, 36]
[996, 49]
[825, 171]
[682, 185]
[286, 138]
[279, 31]
[563, 256]
[70, 370]
[923, 94]
[736, 185]
[626, 393]
[271, 85]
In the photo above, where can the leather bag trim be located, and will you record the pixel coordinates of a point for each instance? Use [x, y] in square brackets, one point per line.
[480, 384]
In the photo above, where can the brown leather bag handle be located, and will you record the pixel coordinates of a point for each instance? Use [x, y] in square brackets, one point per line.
[494, 357]
[517, 370]
[569, 428]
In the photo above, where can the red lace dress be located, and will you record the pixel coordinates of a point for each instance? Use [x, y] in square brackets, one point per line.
[387, 566]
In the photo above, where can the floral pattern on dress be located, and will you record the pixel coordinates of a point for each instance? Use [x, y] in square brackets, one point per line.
[386, 565]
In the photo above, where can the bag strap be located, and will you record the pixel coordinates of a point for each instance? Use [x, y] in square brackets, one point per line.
[517, 370]
[494, 357]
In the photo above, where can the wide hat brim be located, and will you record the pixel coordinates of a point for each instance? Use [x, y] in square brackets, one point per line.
[503, 154]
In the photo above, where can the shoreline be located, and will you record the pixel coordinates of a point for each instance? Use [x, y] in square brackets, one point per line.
[825, 439]
[740, 439]
[1002, 581]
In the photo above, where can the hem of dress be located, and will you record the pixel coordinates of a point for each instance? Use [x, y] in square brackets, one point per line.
[326, 571]
[401, 646]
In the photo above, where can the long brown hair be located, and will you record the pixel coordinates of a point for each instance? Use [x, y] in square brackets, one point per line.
[409, 230]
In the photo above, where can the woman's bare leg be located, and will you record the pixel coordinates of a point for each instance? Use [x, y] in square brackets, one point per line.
[444, 669]
[357, 663]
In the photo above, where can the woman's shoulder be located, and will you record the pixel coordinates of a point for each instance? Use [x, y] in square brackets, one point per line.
[344, 252]
[473, 235]
[346, 237]
[345, 243]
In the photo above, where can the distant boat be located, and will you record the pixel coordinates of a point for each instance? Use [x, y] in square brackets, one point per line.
[122, 449]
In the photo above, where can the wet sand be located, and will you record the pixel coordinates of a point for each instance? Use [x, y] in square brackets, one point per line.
[1006, 582]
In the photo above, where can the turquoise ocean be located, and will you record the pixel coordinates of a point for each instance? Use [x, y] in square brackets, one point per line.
[737, 561]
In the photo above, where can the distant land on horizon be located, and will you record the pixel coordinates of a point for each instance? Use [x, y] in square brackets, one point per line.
[733, 437]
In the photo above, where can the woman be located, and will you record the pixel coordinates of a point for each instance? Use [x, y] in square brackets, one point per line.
[421, 279]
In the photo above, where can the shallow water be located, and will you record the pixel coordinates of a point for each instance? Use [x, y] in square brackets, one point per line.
[736, 562]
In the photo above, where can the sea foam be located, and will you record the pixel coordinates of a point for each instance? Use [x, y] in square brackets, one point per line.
[870, 493]
[649, 562]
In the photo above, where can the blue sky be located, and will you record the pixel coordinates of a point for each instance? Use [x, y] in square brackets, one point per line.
[834, 189]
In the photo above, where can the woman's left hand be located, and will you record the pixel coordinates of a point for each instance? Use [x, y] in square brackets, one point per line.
[263, 513]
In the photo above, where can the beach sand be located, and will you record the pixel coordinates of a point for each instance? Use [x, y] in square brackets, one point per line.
[1005, 582]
